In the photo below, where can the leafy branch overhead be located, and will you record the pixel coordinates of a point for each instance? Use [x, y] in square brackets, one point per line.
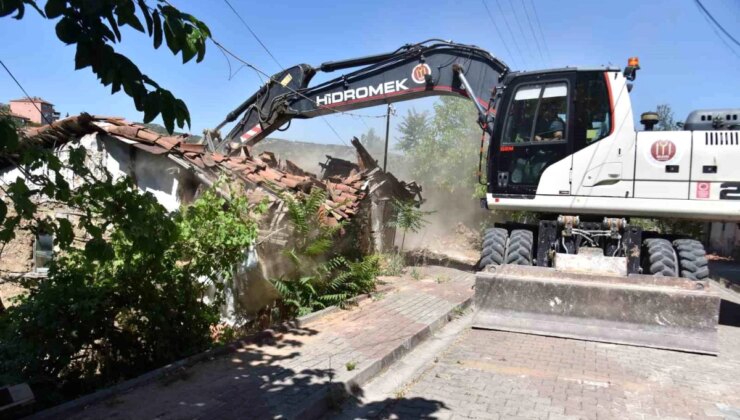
[93, 26]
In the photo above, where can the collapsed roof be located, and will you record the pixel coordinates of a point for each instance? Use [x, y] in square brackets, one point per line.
[346, 183]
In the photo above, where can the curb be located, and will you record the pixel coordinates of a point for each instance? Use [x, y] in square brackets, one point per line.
[426, 257]
[322, 401]
[79, 404]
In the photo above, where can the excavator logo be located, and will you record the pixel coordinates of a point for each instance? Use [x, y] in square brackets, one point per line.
[663, 150]
[362, 93]
[419, 72]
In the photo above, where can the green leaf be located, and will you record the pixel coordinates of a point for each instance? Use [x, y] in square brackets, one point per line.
[151, 106]
[20, 194]
[126, 13]
[99, 249]
[55, 8]
[167, 107]
[64, 234]
[82, 56]
[147, 16]
[113, 26]
[8, 136]
[182, 113]
[67, 30]
[191, 45]
[172, 29]
[157, 29]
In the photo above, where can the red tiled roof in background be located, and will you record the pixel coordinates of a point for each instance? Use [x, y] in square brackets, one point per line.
[32, 99]
[10, 114]
[344, 194]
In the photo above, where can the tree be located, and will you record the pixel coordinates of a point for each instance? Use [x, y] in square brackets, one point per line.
[446, 155]
[666, 120]
[413, 128]
[372, 142]
[93, 26]
[407, 217]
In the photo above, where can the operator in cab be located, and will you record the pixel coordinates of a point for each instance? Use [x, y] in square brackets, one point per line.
[549, 125]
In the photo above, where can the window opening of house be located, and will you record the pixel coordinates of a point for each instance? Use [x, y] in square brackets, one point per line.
[43, 252]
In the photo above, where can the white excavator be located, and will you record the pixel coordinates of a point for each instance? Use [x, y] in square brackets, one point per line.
[562, 143]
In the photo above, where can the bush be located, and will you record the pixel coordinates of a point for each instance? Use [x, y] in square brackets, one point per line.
[123, 306]
[321, 276]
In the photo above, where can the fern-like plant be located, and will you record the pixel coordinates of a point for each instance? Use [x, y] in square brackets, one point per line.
[323, 276]
[408, 217]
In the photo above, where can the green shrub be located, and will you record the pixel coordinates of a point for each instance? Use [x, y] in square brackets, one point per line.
[126, 304]
[321, 277]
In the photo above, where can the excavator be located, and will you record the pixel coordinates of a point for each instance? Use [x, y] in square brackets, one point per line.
[561, 143]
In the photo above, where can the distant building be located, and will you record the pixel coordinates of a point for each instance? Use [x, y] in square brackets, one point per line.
[30, 107]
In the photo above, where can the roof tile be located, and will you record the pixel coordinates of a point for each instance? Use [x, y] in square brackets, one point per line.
[266, 171]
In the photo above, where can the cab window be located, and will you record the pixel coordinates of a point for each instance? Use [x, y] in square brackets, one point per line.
[593, 109]
[537, 113]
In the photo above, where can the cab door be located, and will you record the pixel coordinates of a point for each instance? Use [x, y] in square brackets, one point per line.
[532, 136]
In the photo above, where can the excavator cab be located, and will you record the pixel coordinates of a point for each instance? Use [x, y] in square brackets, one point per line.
[543, 118]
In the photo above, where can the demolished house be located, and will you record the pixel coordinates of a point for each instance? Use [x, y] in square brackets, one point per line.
[175, 171]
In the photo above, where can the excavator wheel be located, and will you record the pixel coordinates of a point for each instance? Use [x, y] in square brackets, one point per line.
[519, 251]
[659, 259]
[494, 247]
[692, 259]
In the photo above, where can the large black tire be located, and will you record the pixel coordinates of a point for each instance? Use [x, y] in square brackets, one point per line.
[519, 250]
[659, 258]
[494, 247]
[692, 259]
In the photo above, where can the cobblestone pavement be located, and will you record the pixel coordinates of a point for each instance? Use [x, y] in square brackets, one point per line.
[493, 374]
[280, 374]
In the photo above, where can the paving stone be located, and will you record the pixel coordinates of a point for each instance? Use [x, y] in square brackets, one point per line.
[277, 379]
[528, 376]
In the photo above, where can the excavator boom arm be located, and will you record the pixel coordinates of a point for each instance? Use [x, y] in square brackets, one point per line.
[429, 68]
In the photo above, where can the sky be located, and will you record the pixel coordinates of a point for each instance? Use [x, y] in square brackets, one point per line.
[684, 62]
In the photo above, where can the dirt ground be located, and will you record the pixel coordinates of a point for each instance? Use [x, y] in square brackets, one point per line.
[461, 243]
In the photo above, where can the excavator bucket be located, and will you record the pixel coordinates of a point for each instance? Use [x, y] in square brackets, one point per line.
[660, 312]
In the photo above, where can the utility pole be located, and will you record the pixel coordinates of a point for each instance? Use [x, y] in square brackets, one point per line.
[387, 131]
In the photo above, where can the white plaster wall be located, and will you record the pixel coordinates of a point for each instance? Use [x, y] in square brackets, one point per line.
[155, 174]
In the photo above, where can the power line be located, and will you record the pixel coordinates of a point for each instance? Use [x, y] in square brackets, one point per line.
[498, 31]
[24, 92]
[511, 33]
[270, 78]
[521, 30]
[531, 28]
[246, 25]
[718, 25]
[542, 34]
